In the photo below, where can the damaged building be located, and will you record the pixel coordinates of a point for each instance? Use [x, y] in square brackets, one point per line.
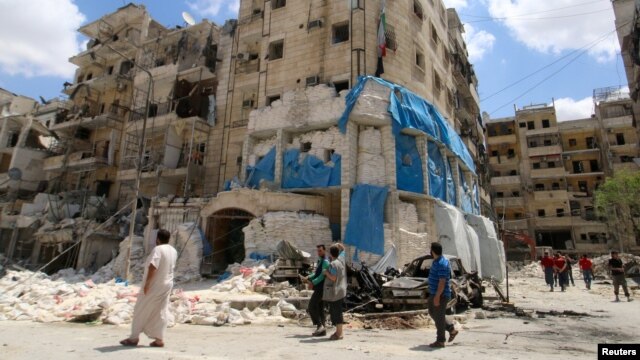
[544, 173]
[267, 129]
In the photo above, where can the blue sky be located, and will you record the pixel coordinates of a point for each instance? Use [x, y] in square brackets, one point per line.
[508, 39]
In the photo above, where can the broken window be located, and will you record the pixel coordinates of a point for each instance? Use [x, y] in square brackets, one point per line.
[620, 139]
[340, 33]
[515, 194]
[547, 142]
[555, 186]
[420, 59]
[511, 153]
[536, 165]
[533, 144]
[89, 76]
[328, 154]
[494, 153]
[551, 164]
[277, 4]
[523, 124]
[110, 70]
[437, 84]
[418, 10]
[434, 36]
[559, 212]
[305, 147]
[125, 67]
[531, 125]
[513, 173]
[573, 142]
[539, 187]
[593, 164]
[499, 194]
[541, 212]
[276, 50]
[591, 143]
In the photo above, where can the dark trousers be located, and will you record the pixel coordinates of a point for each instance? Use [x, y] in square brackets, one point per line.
[438, 314]
[316, 306]
[570, 272]
[619, 280]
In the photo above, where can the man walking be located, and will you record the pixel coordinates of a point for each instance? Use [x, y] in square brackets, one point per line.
[316, 306]
[568, 261]
[547, 266]
[335, 290]
[617, 275]
[586, 266]
[151, 311]
[560, 268]
[439, 295]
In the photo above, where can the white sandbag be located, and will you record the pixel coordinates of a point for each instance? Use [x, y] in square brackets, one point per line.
[474, 248]
[492, 255]
[187, 241]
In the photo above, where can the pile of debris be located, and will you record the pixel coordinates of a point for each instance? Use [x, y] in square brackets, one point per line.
[631, 264]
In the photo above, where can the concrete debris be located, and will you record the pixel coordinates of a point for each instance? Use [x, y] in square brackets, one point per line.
[188, 242]
[601, 263]
[304, 231]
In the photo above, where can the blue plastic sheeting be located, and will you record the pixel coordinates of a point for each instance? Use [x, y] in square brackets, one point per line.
[466, 205]
[476, 200]
[365, 229]
[311, 172]
[437, 169]
[410, 111]
[265, 169]
[451, 185]
[408, 165]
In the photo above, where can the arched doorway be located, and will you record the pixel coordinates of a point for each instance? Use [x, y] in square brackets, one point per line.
[224, 232]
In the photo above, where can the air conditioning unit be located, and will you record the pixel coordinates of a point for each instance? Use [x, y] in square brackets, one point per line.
[246, 104]
[314, 24]
[242, 57]
[313, 80]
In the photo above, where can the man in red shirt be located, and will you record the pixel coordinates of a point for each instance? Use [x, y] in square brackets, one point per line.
[560, 266]
[586, 266]
[547, 266]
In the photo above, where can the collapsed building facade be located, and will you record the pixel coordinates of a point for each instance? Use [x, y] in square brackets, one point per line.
[544, 173]
[221, 102]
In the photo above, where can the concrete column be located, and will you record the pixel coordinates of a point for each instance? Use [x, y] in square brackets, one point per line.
[421, 143]
[455, 173]
[350, 158]
[281, 138]
[389, 153]
[247, 147]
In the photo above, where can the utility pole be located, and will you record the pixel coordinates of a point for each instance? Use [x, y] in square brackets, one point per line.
[134, 204]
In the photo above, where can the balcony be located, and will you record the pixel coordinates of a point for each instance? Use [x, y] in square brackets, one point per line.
[106, 119]
[502, 139]
[504, 160]
[626, 148]
[505, 180]
[248, 67]
[547, 195]
[555, 222]
[547, 173]
[80, 160]
[545, 150]
[543, 131]
[508, 202]
[516, 225]
[618, 122]
[629, 166]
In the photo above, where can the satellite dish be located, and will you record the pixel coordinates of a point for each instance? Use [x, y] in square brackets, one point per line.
[188, 18]
[15, 174]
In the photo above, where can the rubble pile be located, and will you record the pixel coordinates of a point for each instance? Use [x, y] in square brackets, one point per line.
[188, 241]
[303, 231]
[526, 271]
[391, 323]
[601, 263]
[69, 294]
[371, 164]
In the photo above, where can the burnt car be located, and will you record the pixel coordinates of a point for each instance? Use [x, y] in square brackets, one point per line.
[411, 289]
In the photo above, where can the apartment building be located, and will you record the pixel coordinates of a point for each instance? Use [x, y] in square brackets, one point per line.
[545, 172]
[627, 14]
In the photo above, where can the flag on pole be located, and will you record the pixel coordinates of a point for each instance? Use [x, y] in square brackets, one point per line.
[382, 41]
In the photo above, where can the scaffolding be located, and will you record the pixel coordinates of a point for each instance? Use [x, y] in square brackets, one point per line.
[611, 93]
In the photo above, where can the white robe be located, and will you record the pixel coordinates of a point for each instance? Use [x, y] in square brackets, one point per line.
[151, 311]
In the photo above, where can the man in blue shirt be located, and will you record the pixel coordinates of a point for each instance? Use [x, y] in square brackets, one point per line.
[439, 296]
[316, 305]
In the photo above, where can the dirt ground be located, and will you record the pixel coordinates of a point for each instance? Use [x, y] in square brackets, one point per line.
[500, 335]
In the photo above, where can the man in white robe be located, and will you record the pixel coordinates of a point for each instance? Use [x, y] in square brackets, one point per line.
[152, 308]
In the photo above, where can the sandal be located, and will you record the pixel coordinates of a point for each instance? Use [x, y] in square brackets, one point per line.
[129, 342]
[335, 337]
[453, 334]
[157, 343]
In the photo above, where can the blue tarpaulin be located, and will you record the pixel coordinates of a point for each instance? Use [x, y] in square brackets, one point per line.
[451, 185]
[265, 169]
[311, 172]
[365, 229]
[437, 171]
[466, 205]
[408, 164]
[409, 111]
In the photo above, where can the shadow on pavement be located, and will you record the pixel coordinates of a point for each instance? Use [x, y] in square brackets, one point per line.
[114, 348]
